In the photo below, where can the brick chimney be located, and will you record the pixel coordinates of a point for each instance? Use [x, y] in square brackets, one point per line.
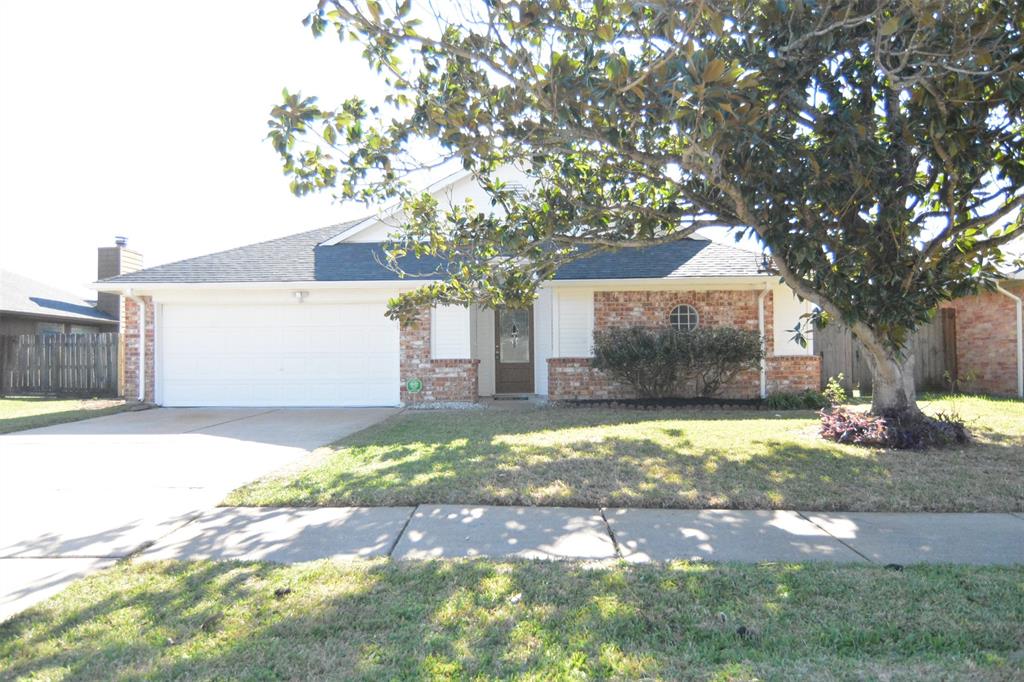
[112, 261]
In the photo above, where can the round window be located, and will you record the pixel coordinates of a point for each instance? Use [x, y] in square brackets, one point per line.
[684, 318]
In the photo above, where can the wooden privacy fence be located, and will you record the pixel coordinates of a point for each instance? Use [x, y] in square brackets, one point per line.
[934, 355]
[59, 364]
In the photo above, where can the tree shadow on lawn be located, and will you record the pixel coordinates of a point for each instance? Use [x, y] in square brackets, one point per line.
[415, 620]
[643, 462]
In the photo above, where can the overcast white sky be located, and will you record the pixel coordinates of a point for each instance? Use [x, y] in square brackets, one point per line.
[147, 120]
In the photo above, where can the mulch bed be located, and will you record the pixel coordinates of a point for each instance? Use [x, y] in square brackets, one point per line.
[666, 403]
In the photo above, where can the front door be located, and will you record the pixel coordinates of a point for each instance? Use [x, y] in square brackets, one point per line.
[513, 350]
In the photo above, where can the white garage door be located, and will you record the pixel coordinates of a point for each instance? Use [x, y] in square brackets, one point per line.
[300, 354]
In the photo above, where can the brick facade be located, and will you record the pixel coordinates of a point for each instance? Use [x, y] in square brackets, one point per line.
[986, 341]
[130, 329]
[575, 379]
[793, 373]
[443, 380]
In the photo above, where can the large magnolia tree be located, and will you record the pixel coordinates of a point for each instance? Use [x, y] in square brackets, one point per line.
[873, 147]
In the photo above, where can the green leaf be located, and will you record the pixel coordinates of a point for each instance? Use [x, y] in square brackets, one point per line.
[890, 26]
[374, 8]
[714, 70]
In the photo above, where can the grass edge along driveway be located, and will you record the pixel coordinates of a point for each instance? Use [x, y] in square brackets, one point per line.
[741, 459]
[18, 413]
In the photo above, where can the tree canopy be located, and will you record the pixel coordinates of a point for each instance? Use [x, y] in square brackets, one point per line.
[874, 147]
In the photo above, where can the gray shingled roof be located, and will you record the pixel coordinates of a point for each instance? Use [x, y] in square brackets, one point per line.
[683, 258]
[288, 259]
[24, 296]
[299, 258]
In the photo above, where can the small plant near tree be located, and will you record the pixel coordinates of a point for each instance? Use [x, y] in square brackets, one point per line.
[834, 392]
[659, 362]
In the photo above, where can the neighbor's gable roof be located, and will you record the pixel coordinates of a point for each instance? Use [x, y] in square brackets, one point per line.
[303, 258]
[24, 296]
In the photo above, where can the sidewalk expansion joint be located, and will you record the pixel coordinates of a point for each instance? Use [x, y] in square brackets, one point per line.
[837, 539]
[405, 525]
[611, 533]
[228, 421]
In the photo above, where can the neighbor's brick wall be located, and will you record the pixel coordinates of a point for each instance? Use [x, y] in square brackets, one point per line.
[575, 379]
[986, 341]
[130, 329]
[443, 380]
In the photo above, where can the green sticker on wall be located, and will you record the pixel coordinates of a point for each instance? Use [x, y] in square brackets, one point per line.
[414, 385]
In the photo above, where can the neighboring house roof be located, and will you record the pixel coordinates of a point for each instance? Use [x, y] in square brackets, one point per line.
[23, 296]
[302, 258]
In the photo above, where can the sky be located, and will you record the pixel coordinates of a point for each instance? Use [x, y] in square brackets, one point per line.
[147, 120]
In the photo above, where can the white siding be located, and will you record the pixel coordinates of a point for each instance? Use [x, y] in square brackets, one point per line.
[447, 196]
[484, 349]
[787, 309]
[574, 323]
[450, 333]
[542, 340]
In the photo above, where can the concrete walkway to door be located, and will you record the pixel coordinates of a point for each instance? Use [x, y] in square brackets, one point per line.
[76, 497]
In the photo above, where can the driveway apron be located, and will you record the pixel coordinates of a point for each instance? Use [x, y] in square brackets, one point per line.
[76, 497]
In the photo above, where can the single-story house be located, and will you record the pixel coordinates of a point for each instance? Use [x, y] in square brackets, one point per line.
[301, 321]
[31, 307]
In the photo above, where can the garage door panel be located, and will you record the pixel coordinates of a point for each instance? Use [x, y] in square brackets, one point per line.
[298, 354]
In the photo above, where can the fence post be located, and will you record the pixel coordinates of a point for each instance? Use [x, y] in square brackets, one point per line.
[4, 381]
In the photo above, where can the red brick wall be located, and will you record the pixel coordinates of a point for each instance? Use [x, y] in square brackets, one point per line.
[574, 378]
[130, 328]
[793, 373]
[986, 341]
[443, 380]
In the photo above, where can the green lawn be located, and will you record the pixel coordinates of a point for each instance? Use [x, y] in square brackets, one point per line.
[29, 412]
[594, 457]
[528, 620]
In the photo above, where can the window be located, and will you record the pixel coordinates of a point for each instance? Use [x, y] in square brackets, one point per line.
[684, 318]
[49, 328]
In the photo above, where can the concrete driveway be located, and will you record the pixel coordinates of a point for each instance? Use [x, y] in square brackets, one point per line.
[76, 497]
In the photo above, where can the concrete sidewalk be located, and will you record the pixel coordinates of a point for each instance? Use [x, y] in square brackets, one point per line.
[635, 535]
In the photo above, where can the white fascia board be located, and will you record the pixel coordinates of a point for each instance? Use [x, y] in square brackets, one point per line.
[663, 282]
[394, 208]
[140, 288]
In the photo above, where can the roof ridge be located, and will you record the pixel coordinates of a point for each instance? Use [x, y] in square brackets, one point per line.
[304, 233]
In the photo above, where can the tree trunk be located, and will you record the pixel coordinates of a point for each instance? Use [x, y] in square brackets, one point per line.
[892, 378]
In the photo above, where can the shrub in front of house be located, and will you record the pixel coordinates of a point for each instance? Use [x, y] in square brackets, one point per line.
[802, 400]
[662, 362]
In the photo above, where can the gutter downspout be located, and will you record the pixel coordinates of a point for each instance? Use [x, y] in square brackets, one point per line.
[764, 341]
[1018, 304]
[129, 294]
